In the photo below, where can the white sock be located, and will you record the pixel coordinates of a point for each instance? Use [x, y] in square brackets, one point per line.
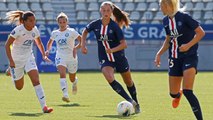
[76, 81]
[40, 94]
[64, 89]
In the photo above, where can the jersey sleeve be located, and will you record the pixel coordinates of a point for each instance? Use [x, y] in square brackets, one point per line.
[166, 25]
[193, 24]
[53, 35]
[90, 26]
[74, 33]
[14, 33]
[119, 32]
[37, 34]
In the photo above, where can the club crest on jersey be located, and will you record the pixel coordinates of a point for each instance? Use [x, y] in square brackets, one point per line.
[13, 32]
[33, 34]
[67, 34]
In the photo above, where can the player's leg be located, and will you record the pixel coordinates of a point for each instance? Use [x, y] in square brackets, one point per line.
[188, 82]
[131, 88]
[32, 72]
[108, 73]
[17, 75]
[175, 79]
[175, 90]
[72, 69]
[63, 82]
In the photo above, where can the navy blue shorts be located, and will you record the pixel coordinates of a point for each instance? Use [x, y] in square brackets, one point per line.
[120, 65]
[177, 66]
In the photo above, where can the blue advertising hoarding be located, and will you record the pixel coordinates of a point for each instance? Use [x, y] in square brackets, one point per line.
[134, 32]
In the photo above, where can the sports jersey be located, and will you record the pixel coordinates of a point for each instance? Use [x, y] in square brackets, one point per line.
[65, 42]
[107, 37]
[180, 28]
[24, 39]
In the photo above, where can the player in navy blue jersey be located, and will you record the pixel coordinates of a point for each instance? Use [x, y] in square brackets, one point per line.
[182, 36]
[111, 45]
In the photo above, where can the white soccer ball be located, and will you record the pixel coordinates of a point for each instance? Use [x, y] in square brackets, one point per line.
[125, 108]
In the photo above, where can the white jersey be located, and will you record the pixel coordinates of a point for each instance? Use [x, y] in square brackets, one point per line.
[65, 43]
[22, 46]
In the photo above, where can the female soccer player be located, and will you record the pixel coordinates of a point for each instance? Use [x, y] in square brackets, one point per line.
[182, 36]
[21, 57]
[66, 54]
[111, 45]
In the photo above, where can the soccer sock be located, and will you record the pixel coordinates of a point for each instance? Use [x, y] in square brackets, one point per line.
[119, 89]
[193, 101]
[175, 95]
[64, 89]
[40, 94]
[133, 93]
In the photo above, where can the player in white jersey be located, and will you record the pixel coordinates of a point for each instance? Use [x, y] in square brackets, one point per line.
[21, 57]
[66, 54]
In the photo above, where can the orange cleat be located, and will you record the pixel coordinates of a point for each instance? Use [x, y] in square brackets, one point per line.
[176, 101]
[47, 109]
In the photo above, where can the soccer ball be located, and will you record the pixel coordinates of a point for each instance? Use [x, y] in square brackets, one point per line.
[125, 108]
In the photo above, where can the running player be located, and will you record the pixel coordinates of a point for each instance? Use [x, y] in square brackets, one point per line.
[111, 45]
[182, 36]
[66, 54]
[21, 57]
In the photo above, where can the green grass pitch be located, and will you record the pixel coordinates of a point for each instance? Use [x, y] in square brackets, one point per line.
[96, 100]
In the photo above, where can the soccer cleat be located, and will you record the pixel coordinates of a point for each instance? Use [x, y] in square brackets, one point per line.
[176, 101]
[7, 72]
[136, 107]
[65, 99]
[74, 87]
[47, 109]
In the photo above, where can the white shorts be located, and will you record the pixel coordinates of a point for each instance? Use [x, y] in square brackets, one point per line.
[21, 66]
[71, 65]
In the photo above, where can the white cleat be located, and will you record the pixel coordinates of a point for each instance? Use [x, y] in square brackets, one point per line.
[74, 87]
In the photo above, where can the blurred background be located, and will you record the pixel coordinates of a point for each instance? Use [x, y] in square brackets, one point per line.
[145, 36]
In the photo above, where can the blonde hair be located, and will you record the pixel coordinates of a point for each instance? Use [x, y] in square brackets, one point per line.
[62, 15]
[120, 17]
[17, 17]
[174, 4]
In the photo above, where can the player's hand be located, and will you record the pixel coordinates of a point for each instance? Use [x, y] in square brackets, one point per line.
[47, 53]
[184, 48]
[74, 52]
[12, 64]
[157, 61]
[45, 58]
[84, 50]
[108, 51]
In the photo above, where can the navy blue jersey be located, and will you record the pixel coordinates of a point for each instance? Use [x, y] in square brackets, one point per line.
[107, 37]
[181, 30]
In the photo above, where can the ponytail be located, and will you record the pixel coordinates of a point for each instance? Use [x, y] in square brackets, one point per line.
[121, 17]
[17, 17]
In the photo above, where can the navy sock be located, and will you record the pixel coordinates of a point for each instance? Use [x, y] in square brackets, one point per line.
[133, 93]
[175, 95]
[193, 101]
[119, 89]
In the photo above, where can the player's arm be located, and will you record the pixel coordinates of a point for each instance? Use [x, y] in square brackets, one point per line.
[41, 48]
[83, 42]
[198, 36]
[9, 42]
[163, 49]
[79, 38]
[48, 47]
[121, 46]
